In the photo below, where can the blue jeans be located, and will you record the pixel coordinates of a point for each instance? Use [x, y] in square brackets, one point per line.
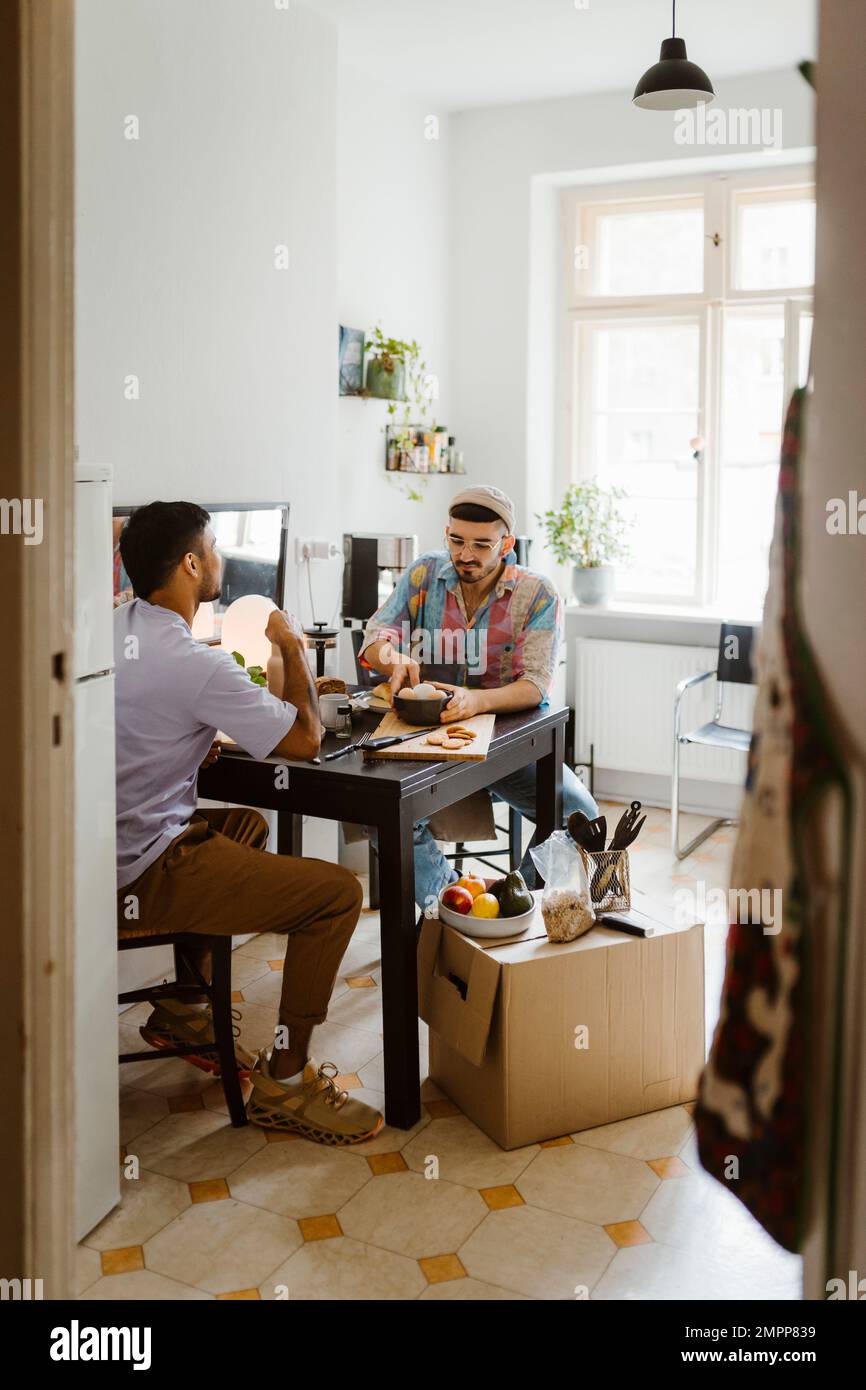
[433, 871]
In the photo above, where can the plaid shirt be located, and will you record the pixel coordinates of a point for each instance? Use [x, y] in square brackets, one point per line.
[514, 635]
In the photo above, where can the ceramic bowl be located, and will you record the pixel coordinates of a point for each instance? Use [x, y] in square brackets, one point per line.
[480, 927]
[423, 713]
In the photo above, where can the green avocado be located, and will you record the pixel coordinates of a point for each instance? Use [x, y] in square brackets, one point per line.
[514, 897]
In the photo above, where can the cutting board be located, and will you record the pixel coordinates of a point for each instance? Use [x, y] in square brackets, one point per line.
[420, 751]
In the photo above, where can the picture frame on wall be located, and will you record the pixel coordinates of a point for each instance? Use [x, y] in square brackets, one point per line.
[351, 361]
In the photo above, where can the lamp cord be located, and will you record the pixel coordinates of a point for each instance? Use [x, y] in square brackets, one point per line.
[674, 21]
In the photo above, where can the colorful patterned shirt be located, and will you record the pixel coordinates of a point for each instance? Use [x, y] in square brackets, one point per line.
[514, 635]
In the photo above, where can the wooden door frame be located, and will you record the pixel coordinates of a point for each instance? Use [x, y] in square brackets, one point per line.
[37, 1154]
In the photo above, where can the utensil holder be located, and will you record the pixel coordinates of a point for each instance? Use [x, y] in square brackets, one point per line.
[609, 879]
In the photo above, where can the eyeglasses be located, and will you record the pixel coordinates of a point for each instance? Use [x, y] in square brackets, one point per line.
[477, 547]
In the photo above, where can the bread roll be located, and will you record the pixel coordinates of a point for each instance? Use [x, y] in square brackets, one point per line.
[330, 685]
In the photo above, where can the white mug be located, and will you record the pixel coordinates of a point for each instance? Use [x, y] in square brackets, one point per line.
[328, 706]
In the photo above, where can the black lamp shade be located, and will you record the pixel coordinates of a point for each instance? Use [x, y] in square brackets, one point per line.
[673, 82]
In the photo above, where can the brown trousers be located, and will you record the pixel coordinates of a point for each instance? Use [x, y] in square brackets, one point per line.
[217, 878]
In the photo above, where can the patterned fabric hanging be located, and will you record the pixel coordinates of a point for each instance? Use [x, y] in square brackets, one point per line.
[752, 1104]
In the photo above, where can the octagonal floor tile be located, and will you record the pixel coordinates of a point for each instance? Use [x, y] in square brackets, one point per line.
[143, 1285]
[588, 1184]
[88, 1268]
[412, 1215]
[466, 1155]
[469, 1291]
[698, 1214]
[658, 1272]
[139, 1110]
[147, 1203]
[302, 1179]
[222, 1246]
[197, 1145]
[346, 1269]
[537, 1253]
[645, 1136]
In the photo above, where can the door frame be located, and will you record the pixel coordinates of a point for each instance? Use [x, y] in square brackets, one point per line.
[37, 1152]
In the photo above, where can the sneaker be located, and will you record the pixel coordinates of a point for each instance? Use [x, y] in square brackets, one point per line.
[315, 1107]
[173, 1022]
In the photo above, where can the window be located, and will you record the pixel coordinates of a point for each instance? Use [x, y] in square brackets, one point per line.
[690, 320]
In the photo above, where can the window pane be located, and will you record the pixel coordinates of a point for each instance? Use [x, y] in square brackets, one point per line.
[650, 251]
[776, 244]
[645, 392]
[752, 404]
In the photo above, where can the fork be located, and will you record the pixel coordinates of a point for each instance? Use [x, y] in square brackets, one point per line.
[350, 748]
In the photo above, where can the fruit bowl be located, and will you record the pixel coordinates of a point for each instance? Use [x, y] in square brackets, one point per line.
[486, 927]
[423, 713]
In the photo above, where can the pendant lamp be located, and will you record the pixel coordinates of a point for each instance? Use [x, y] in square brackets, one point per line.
[673, 82]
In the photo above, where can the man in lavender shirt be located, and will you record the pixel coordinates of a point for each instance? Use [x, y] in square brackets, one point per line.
[180, 869]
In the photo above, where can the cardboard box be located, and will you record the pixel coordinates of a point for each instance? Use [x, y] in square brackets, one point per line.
[534, 1039]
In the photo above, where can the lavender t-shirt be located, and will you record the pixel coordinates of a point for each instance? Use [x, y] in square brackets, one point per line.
[172, 695]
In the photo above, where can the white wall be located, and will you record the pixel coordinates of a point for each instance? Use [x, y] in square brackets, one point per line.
[175, 262]
[393, 264]
[506, 163]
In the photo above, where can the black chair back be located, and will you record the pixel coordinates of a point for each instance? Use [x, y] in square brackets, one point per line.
[735, 654]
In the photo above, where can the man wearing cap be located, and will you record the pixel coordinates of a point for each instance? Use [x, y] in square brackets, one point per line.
[485, 628]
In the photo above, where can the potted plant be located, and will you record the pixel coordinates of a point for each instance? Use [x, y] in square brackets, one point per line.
[587, 531]
[386, 368]
[398, 373]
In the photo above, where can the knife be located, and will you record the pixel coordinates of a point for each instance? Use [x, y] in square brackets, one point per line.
[378, 743]
[397, 738]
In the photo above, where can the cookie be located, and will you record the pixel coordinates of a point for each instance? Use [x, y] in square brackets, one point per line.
[436, 739]
[452, 744]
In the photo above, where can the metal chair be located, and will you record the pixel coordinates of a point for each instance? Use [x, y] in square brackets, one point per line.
[733, 667]
[190, 984]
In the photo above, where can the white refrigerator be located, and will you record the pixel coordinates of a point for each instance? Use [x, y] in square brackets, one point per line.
[96, 1047]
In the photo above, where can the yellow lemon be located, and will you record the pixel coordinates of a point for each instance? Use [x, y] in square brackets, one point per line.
[485, 905]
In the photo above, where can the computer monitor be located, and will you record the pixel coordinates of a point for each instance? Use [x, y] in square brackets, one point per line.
[250, 537]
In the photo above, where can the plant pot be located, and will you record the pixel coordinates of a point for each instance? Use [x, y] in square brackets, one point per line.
[385, 384]
[593, 584]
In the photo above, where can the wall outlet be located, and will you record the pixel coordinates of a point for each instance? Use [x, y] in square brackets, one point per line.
[307, 549]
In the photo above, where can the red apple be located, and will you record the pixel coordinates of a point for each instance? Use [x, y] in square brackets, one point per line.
[458, 899]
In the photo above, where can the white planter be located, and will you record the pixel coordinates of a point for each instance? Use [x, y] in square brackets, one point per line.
[592, 585]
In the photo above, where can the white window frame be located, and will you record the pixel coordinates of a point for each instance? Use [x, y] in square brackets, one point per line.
[580, 208]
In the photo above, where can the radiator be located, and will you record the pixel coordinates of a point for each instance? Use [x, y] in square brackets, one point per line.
[623, 695]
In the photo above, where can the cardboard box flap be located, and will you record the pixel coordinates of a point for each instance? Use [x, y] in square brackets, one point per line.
[457, 988]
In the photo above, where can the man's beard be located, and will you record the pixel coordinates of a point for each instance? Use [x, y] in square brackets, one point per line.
[210, 595]
[474, 573]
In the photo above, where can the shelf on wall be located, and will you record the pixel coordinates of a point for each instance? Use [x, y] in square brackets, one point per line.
[422, 473]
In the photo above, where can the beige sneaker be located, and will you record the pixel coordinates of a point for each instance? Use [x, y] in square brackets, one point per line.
[315, 1108]
[173, 1022]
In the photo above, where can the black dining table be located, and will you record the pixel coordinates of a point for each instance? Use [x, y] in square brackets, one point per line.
[392, 795]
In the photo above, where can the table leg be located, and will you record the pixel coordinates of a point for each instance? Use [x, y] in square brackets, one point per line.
[290, 834]
[399, 970]
[548, 787]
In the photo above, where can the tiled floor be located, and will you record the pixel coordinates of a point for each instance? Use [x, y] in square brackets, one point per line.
[620, 1212]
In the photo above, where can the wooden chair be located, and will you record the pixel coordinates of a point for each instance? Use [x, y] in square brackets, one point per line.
[190, 984]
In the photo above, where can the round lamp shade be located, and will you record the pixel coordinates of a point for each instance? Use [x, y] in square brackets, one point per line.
[243, 629]
[673, 82]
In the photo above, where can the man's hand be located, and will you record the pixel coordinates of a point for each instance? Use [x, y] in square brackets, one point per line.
[281, 626]
[212, 755]
[405, 672]
[463, 703]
